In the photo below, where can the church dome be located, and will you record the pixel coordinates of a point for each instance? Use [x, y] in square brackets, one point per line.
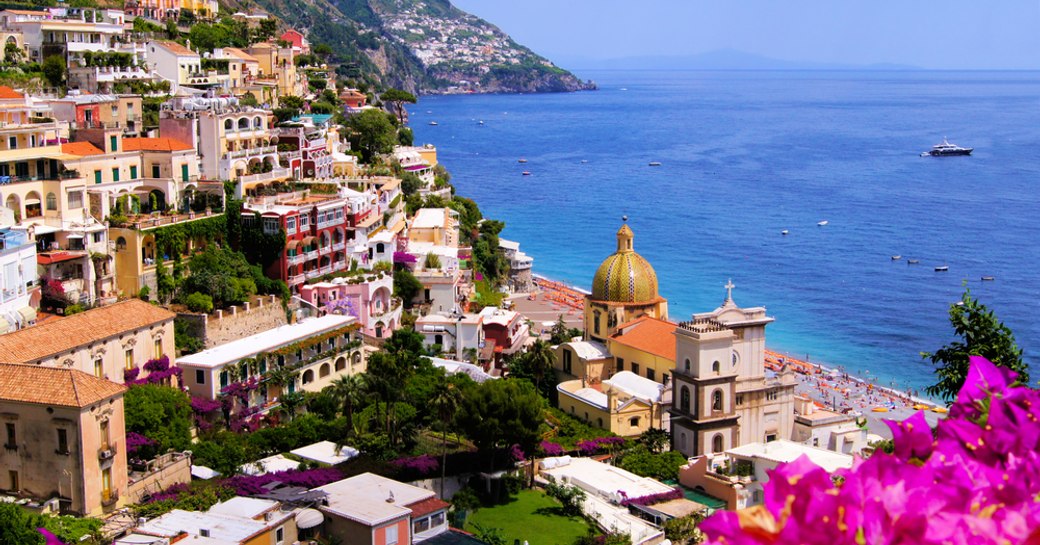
[624, 276]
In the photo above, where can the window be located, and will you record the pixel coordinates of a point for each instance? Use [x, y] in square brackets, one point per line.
[115, 174]
[308, 376]
[715, 367]
[770, 437]
[437, 519]
[324, 370]
[98, 237]
[129, 358]
[200, 376]
[716, 443]
[113, 143]
[771, 395]
[739, 400]
[279, 535]
[223, 379]
[106, 484]
[651, 374]
[421, 525]
[103, 434]
[634, 422]
[687, 363]
[620, 364]
[156, 171]
[133, 172]
[635, 368]
[815, 441]
[12, 436]
[290, 225]
[97, 177]
[684, 399]
[120, 244]
[595, 323]
[716, 400]
[304, 221]
[14, 479]
[567, 361]
[63, 441]
[99, 370]
[52, 202]
[158, 348]
[391, 535]
[271, 226]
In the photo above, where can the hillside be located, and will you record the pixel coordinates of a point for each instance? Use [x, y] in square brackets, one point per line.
[424, 46]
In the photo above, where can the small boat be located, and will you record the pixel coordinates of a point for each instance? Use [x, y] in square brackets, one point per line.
[433, 123]
[822, 223]
[429, 111]
[655, 163]
[583, 161]
[988, 278]
[922, 407]
[481, 122]
[624, 88]
[940, 410]
[942, 268]
[880, 409]
[897, 257]
[526, 173]
[946, 149]
[521, 160]
[912, 261]
[784, 232]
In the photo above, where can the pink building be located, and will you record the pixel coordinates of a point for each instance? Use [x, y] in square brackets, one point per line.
[297, 40]
[368, 297]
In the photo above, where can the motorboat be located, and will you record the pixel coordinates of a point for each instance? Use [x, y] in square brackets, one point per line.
[526, 173]
[942, 268]
[784, 232]
[822, 223]
[655, 163]
[897, 257]
[912, 261]
[946, 149]
[521, 160]
[988, 278]
[433, 123]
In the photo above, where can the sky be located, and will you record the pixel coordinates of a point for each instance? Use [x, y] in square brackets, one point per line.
[948, 34]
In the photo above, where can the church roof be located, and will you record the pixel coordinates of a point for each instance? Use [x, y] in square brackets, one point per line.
[649, 335]
[625, 276]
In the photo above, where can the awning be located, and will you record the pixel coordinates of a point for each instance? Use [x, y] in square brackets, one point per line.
[28, 314]
[203, 472]
[309, 518]
[74, 235]
[307, 241]
[32, 201]
[292, 244]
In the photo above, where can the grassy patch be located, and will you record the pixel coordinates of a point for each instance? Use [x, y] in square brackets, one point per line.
[530, 516]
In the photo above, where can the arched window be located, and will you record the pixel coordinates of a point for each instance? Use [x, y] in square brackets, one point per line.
[595, 322]
[257, 123]
[120, 243]
[599, 422]
[243, 124]
[308, 376]
[341, 364]
[684, 399]
[228, 125]
[716, 443]
[380, 248]
[736, 358]
[324, 370]
[716, 400]
[687, 365]
[52, 202]
[682, 441]
[716, 367]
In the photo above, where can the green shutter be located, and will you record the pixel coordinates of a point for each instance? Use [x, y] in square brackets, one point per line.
[97, 176]
[133, 172]
[115, 174]
[155, 171]
[184, 173]
[113, 142]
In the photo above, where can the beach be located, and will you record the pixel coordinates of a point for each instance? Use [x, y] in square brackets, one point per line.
[829, 387]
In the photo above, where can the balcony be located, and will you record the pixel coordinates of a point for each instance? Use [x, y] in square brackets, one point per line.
[313, 274]
[109, 498]
[313, 254]
[296, 259]
[276, 174]
[298, 279]
[291, 155]
[339, 246]
[250, 152]
[107, 452]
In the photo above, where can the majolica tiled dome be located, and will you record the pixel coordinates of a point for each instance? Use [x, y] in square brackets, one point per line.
[625, 277]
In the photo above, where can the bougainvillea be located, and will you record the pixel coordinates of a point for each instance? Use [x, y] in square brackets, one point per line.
[650, 499]
[423, 465]
[130, 375]
[136, 441]
[602, 443]
[549, 448]
[159, 372]
[249, 485]
[974, 479]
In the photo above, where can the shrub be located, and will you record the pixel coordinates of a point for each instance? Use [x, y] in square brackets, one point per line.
[199, 302]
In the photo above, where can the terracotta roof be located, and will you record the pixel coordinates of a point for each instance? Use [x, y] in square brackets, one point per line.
[9, 93]
[427, 506]
[28, 12]
[238, 53]
[154, 144]
[53, 386]
[175, 47]
[45, 340]
[59, 256]
[81, 149]
[649, 335]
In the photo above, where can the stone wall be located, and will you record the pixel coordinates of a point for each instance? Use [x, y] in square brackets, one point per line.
[222, 326]
[161, 473]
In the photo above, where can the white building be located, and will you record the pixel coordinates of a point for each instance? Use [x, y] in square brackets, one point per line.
[17, 278]
[455, 334]
[67, 31]
[375, 510]
[819, 427]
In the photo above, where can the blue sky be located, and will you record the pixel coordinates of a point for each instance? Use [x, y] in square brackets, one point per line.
[947, 34]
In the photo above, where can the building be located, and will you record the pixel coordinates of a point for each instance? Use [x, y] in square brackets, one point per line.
[520, 265]
[201, 9]
[238, 521]
[103, 342]
[372, 510]
[306, 148]
[68, 32]
[63, 435]
[242, 68]
[506, 331]
[819, 427]
[623, 289]
[96, 111]
[738, 475]
[297, 39]
[353, 100]
[181, 66]
[160, 10]
[136, 252]
[583, 360]
[367, 297]
[277, 65]
[307, 355]
[435, 226]
[456, 334]
[626, 404]
[18, 278]
[234, 142]
[645, 346]
[722, 394]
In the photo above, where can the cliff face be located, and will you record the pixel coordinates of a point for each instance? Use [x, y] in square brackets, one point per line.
[424, 46]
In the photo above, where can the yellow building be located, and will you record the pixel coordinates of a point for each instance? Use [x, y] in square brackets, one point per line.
[623, 289]
[437, 226]
[646, 347]
[63, 433]
[626, 404]
[583, 360]
[136, 251]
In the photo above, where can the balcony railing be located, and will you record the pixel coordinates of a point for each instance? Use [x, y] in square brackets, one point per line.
[266, 176]
[297, 279]
[107, 453]
[310, 255]
[109, 498]
[339, 246]
[250, 152]
[296, 259]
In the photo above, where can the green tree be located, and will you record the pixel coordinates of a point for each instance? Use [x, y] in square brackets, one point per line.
[350, 389]
[406, 286]
[500, 413]
[322, 50]
[160, 413]
[16, 526]
[291, 401]
[981, 334]
[291, 101]
[571, 497]
[12, 53]
[410, 183]
[661, 466]
[397, 98]
[54, 70]
[372, 133]
[445, 402]
[405, 136]
[655, 439]
[683, 530]
[267, 29]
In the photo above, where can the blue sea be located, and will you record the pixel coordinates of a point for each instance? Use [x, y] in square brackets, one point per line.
[746, 155]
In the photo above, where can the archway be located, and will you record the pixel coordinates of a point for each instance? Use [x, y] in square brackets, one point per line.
[308, 376]
[324, 370]
[716, 443]
[341, 363]
[14, 204]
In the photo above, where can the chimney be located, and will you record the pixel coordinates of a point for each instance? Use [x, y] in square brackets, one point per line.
[390, 498]
[611, 399]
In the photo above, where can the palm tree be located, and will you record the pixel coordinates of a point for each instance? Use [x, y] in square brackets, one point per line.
[542, 359]
[350, 389]
[445, 402]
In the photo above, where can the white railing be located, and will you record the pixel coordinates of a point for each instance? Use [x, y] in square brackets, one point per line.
[265, 176]
[310, 255]
[339, 246]
[250, 152]
[296, 259]
[297, 279]
[313, 274]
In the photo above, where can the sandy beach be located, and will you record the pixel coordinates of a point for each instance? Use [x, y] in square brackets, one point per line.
[827, 386]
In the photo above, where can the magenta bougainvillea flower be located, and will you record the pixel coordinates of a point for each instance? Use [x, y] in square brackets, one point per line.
[974, 479]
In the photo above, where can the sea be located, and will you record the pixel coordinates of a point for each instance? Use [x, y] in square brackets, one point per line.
[747, 155]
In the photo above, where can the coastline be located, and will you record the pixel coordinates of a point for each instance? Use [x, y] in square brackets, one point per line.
[829, 386]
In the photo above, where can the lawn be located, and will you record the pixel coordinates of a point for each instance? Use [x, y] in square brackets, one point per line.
[530, 516]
